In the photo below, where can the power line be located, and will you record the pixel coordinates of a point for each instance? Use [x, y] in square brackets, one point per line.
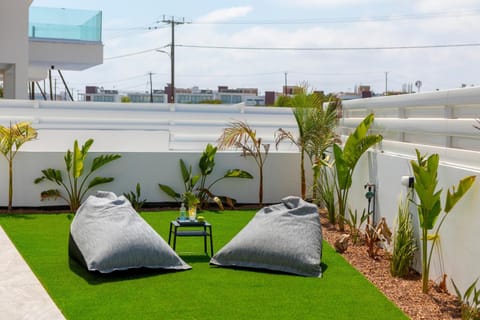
[323, 20]
[433, 46]
[334, 20]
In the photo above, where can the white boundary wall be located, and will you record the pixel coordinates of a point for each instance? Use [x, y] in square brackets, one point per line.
[151, 139]
[419, 121]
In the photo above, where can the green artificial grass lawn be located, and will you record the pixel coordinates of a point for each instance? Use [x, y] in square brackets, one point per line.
[205, 292]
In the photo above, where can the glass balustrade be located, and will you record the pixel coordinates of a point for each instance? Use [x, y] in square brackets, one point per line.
[65, 24]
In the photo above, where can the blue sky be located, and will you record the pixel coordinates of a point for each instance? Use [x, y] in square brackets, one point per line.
[300, 24]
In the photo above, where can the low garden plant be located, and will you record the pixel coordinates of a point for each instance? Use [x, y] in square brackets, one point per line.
[470, 301]
[135, 197]
[355, 222]
[404, 242]
[326, 187]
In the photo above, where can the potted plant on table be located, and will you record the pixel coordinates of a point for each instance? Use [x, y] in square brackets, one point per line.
[191, 201]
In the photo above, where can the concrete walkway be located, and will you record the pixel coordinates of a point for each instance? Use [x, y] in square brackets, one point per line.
[22, 296]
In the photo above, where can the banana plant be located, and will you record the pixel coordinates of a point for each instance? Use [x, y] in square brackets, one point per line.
[346, 160]
[11, 139]
[429, 206]
[75, 187]
[189, 181]
[206, 164]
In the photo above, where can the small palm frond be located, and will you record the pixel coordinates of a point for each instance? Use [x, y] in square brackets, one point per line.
[237, 135]
[281, 135]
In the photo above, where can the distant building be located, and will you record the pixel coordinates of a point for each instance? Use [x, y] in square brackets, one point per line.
[194, 95]
[233, 96]
[158, 96]
[255, 101]
[270, 97]
[98, 94]
[362, 91]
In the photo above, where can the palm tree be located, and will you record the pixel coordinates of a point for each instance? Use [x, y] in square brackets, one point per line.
[11, 139]
[241, 135]
[315, 130]
[320, 137]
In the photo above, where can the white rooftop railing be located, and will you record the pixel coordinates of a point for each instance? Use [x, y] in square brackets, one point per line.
[441, 118]
[432, 122]
[187, 127]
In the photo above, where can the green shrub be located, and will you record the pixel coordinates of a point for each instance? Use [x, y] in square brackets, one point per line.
[470, 304]
[355, 224]
[404, 242]
[135, 197]
[326, 188]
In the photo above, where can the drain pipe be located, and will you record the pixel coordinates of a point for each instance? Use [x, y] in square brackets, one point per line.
[370, 195]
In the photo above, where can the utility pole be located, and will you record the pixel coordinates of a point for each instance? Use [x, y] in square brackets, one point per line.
[151, 88]
[32, 91]
[172, 22]
[50, 82]
[286, 89]
[386, 83]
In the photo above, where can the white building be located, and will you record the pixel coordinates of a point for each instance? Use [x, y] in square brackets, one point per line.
[34, 40]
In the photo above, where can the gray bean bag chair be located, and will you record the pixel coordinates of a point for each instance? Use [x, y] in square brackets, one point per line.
[107, 234]
[284, 237]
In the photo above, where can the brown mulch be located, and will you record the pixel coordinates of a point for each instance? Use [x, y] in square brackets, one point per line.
[405, 293]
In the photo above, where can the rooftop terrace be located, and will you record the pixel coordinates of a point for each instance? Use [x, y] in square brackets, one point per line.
[153, 137]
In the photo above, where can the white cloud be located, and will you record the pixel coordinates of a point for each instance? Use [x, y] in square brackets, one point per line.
[445, 5]
[324, 3]
[324, 70]
[225, 14]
